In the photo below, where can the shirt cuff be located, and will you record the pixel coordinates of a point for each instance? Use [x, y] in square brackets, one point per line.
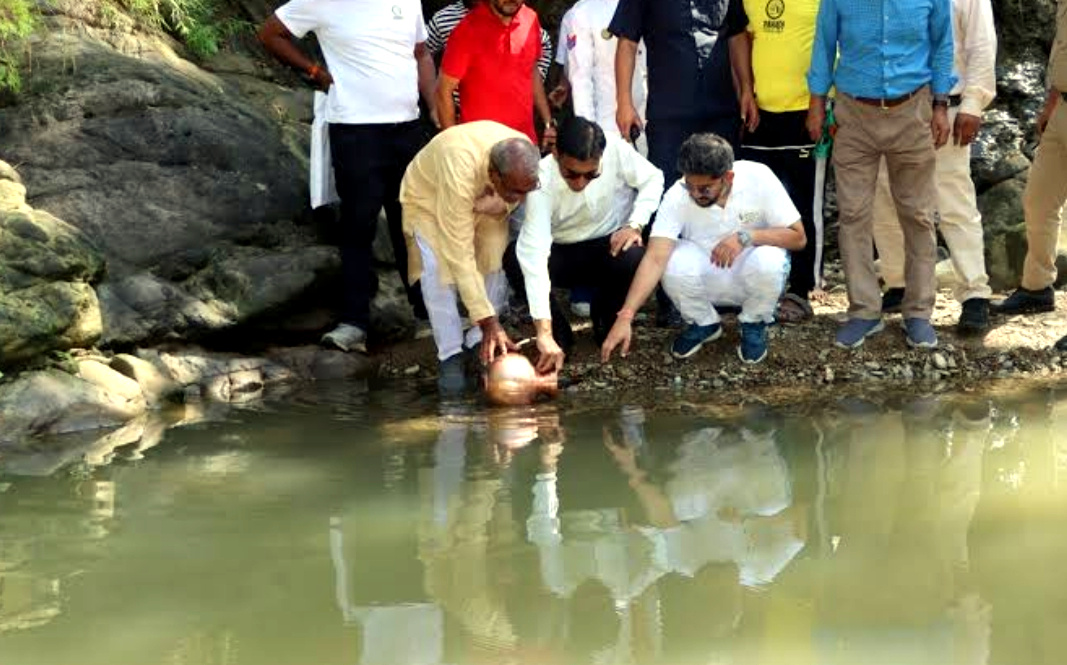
[971, 106]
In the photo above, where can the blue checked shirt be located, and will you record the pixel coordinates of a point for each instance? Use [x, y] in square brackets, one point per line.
[888, 48]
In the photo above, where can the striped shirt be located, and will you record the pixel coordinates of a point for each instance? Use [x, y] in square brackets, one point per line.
[447, 18]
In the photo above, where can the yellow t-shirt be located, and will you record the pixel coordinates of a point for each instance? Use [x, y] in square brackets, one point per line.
[782, 35]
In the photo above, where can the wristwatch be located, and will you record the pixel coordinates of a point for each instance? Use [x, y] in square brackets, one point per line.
[745, 238]
[941, 100]
[636, 227]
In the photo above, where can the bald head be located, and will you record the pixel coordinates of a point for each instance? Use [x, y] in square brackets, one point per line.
[514, 164]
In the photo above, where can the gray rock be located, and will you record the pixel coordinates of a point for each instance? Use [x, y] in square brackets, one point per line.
[54, 402]
[154, 385]
[102, 376]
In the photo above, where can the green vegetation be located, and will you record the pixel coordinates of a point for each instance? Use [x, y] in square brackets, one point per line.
[16, 22]
[202, 25]
[196, 22]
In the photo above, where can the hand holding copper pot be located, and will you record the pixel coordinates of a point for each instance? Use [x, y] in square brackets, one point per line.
[511, 380]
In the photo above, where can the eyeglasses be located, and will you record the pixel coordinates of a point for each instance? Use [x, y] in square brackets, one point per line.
[588, 176]
[703, 191]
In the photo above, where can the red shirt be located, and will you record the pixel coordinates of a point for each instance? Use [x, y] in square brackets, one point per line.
[495, 65]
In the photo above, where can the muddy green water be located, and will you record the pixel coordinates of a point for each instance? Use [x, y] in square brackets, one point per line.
[382, 528]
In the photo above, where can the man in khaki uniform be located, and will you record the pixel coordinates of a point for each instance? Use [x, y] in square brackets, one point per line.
[1046, 190]
[456, 196]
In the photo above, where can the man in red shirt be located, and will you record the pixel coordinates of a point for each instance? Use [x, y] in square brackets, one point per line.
[491, 58]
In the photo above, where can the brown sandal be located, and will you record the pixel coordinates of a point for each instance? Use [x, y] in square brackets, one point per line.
[793, 309]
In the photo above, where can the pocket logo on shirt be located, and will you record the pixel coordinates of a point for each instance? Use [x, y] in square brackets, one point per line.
[398, 13]
[775, 9]
[748, 217]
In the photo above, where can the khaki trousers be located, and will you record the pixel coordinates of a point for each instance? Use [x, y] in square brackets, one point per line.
[1046, 191]
[959, 220]
[901, 135]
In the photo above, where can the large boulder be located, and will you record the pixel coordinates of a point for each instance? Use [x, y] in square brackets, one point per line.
[190, 184]
[46, 271]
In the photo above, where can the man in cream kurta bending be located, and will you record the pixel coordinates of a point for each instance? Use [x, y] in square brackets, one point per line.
[577, 234]
[456, 195]
[721, 237]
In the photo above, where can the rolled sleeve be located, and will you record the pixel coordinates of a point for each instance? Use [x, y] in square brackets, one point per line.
[642, 175]
[941, 54]
[628, 21]
[980, 55]
[533, 248]
[824, 49]
[565, 30]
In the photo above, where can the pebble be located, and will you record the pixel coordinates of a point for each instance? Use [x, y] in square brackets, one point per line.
[718, 384]
[939, 361]
[412, 371]
[872, 365]
[828, 374]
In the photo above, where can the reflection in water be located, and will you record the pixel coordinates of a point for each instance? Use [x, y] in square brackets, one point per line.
[919, 531]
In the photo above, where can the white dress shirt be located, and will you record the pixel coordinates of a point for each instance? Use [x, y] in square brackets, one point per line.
[555, 214]
[974, 39]
[589, 62]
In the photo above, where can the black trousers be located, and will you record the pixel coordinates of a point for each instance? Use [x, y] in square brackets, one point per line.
[587, 264]
[782, 143]
[369, 163]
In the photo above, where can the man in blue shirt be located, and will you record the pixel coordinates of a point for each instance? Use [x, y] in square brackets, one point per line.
[893, 74]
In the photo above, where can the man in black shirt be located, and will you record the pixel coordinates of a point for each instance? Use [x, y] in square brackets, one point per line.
[691, 88]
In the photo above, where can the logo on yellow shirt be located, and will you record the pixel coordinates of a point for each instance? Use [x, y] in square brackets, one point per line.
[775, 9]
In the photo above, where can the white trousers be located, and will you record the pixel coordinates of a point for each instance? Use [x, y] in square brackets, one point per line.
[754, 282]
[443, 306]
[959, 221]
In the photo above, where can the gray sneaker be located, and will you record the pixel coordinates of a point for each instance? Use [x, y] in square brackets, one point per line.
[347, 338]
[854, 331]
[920, 334]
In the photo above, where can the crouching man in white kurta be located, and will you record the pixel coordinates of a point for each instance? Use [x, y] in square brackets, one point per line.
[722, 237]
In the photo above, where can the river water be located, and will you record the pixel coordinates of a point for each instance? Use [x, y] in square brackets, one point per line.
[356, 527]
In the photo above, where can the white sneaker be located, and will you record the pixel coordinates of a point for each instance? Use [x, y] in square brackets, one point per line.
[347, 338]
[581, 309]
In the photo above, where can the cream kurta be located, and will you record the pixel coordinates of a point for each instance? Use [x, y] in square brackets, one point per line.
[438, 196]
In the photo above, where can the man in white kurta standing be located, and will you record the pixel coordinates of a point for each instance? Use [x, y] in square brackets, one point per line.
[975, 53]
[376, 66]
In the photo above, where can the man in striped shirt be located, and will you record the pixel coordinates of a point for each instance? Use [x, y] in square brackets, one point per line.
[440, 28]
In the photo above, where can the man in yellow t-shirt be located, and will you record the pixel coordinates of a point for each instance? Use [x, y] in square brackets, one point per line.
[781, 34]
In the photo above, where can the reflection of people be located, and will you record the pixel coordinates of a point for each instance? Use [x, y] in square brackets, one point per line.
[899, 566]
[456, 195]
[407, 631]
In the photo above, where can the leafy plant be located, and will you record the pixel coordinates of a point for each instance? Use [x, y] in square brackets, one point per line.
[195, 22]
[16, 22]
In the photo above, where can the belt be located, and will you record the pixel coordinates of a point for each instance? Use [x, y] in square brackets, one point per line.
[886, 103]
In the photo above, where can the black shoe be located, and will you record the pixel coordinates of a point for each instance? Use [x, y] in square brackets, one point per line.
[1061, 345]
[892, 299]
[668, 317]
[1025, 301]
[974, 319]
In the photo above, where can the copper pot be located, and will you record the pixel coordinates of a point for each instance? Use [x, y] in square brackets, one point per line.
[511, 380]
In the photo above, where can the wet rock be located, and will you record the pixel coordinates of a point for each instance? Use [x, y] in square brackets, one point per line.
[99, 374]
[154, 385]
[54, 402]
